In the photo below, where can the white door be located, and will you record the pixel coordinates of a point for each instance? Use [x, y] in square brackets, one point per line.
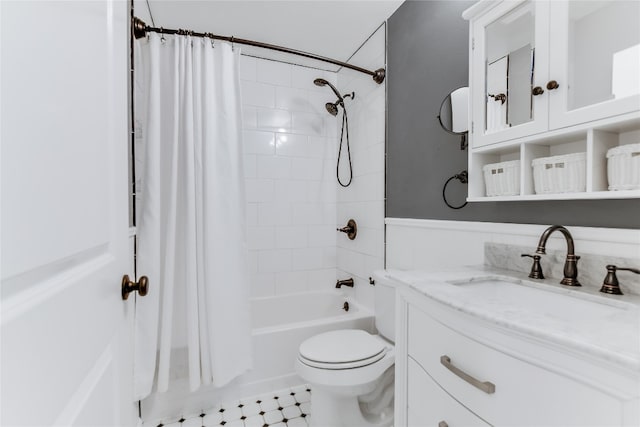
[66, 345]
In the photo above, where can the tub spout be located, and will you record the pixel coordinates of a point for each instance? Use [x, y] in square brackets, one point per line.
[346, 282]
[571, 262]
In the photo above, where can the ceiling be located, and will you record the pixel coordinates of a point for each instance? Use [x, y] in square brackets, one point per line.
[333, 29]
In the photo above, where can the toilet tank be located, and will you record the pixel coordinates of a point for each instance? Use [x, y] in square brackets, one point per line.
[385, 305]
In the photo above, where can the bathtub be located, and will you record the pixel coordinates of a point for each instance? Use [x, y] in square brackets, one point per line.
[280, 324]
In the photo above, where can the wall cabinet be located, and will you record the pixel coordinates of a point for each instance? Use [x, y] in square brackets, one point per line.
[552, 78]
[456, 369]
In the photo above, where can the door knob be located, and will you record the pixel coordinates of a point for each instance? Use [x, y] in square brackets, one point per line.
[128, 286]
[553, 85]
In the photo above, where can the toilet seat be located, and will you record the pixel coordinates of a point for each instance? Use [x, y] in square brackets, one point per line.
[342, 349]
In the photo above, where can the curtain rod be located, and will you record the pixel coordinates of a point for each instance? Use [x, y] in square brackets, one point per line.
[140, 29]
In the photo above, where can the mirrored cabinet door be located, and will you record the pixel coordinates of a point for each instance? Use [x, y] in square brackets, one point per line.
[595, 60]
[510, 59]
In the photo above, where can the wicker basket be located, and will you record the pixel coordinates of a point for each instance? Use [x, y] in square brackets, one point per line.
[623, 167]
[560, 174]
[502, 179]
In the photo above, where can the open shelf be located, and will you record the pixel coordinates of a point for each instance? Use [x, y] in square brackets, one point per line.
[594, 140]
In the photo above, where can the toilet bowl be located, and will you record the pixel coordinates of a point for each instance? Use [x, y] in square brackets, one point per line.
[351, 372]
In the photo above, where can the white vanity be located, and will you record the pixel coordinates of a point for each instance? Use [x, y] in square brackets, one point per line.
[548, 79]
[479, 346]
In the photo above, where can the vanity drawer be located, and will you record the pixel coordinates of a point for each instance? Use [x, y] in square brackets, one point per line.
[429, 405]
[524, 394]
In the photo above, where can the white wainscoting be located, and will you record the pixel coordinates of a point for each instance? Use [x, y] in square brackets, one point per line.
[428, 244]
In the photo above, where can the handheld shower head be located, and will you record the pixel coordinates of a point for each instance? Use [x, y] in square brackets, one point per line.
[323, 82]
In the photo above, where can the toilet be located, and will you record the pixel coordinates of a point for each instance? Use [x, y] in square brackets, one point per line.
[351, 372]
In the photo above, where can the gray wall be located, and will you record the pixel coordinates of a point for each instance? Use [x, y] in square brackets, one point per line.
[427, 58]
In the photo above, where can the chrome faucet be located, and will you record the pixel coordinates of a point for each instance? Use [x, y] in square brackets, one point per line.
[571, 263]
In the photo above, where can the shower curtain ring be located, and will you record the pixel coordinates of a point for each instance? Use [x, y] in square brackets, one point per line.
[210, 35]
[162, 39]
[233, 48]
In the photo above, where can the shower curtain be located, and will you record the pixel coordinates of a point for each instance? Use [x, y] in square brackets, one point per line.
[190, 213]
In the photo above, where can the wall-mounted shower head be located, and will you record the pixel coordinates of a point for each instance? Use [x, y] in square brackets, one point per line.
[332, 108]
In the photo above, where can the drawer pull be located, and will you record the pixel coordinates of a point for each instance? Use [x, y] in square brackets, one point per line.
[486, 386]
[443, 424]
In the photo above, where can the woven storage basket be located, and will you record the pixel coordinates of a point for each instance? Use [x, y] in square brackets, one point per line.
[623, 167]
[560, 174]
[502, 179]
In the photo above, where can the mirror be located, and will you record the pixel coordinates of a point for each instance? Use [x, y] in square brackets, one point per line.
[509, 59]
[454, 113]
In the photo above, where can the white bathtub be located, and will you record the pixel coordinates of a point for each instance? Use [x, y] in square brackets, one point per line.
[280, 324]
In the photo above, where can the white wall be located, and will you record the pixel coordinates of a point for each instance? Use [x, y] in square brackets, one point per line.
[363, 200]
[289, 144]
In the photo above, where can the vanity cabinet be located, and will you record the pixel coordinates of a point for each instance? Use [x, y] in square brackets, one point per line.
[552, 78]
[457, 369]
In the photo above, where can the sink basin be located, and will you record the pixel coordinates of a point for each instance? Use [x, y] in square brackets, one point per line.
[560, 304]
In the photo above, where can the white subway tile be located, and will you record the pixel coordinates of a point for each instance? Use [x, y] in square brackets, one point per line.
[322, 280]
[306, 168]
[258, 94]
[307, 123]
[329, 257]
[309, 214]
[323, 235]
[291, 281]
[292, 99]
[274, 261]
[275, 120]
[247, 68]
[329, 145]
[261, 237]
[291, 237]
[290, 191]
[274, 167]
[259, 190]
[249, 117]
[274, 213]
[332, 127]
[322, 191]
[275, 73]
[288, 144]
[372, 263]
[258, 142]
[308, 259]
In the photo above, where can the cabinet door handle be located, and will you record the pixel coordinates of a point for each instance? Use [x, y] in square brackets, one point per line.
[552, 85]
[537, 91]
[486, 386]
[443, 424]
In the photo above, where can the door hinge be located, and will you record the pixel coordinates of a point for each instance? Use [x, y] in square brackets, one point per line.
[471, 127]
[473, 43]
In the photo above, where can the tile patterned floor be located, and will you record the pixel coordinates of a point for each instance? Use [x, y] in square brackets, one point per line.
[284, 408]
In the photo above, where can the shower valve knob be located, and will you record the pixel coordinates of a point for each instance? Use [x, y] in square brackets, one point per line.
[142, 286]
[351, 229]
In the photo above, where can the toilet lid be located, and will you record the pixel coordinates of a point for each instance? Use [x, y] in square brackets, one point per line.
[351, 347]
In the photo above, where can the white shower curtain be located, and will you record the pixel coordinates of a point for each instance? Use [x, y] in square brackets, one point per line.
[190, 213]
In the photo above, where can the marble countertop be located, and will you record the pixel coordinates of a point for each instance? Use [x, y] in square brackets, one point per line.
[605, 326]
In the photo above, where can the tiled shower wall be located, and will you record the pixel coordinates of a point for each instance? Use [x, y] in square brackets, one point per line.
[290, 149]
[363, 200]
